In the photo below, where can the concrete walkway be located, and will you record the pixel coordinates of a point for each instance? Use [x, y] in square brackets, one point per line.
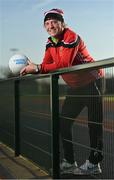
[12, 167]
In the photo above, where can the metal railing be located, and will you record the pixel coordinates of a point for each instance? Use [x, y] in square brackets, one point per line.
[18, 102]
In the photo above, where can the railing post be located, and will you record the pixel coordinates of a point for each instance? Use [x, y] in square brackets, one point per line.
[17, 117]
[55, 126]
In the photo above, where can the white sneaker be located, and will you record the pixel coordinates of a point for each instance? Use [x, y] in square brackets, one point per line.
[68, 168]
[65, 165]
[89, 168]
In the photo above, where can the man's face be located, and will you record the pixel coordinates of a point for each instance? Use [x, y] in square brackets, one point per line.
[54, 27]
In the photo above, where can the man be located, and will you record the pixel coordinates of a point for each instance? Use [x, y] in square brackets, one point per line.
[65, 48]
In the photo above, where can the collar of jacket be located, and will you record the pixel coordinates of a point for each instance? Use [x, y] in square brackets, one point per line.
[54, 40]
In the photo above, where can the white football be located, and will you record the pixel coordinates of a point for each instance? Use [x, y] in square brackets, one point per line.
[17, 62]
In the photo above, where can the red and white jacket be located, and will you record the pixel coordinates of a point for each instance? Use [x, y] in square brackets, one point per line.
[69, 51]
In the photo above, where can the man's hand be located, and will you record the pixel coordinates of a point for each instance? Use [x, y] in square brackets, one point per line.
[31, 68]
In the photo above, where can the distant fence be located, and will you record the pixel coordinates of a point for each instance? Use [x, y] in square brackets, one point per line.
[29, 117]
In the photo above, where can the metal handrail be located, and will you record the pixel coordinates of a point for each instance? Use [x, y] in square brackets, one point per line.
[88, 66]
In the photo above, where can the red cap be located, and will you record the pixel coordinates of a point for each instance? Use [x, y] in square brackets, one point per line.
[54, 14]
[55, 11]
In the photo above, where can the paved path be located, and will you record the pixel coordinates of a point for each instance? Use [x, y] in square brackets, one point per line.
[12, 167]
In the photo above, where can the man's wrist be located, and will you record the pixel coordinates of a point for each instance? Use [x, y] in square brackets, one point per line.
[37, 68]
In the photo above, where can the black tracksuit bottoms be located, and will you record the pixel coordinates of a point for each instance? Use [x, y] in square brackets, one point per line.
[76, 99]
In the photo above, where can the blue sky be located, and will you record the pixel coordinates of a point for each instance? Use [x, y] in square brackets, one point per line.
[21, 26]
